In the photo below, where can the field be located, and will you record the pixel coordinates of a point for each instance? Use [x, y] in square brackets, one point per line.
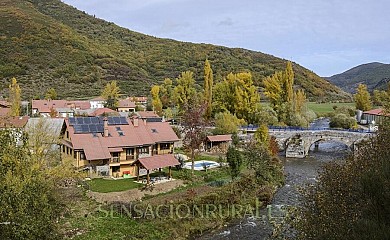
[326, 107]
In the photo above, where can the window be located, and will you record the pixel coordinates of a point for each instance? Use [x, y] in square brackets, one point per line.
[82, 156]
[118, 128]
[121, 134]
[164, 146]
[154, 130]
[130, 152]
[144, 150]
[67, 134]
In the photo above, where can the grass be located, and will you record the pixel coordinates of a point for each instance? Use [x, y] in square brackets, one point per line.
[108, 185]
[326, 107]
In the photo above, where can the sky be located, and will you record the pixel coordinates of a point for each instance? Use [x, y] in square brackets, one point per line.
[325, 36]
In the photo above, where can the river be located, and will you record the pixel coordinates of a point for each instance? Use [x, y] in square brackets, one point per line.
[299, 173]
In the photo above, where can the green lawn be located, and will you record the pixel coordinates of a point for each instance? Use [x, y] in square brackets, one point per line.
[326, 107]
[109, 185]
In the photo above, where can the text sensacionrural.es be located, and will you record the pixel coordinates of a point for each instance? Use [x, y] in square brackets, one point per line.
[180, 211]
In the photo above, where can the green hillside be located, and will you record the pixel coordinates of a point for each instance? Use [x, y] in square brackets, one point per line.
[46, 43]
[375, 75]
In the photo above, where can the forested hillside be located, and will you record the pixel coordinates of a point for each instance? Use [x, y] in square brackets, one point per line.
[46, 43]
[375, 75]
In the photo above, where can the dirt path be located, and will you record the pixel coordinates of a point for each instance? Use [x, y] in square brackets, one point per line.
[134, 194]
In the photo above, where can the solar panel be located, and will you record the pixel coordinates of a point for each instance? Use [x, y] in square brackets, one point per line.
[95, 120]
[72, 121]
[78, 129]
[100, 128]
[92, 128]
[87, 120]
[117, 120]
[79, 121]
[123, 120]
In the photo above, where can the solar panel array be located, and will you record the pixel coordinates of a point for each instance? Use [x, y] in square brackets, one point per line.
[94, 124]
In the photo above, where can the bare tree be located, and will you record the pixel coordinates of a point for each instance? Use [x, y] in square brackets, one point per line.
[194, 128]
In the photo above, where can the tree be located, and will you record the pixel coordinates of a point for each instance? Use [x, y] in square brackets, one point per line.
[156, 102]
[51, 94]
[288, 83]
[14, 97]
[194, 128]
[166, 93]
[238, 95]
[185, 90]
[351, 199]
[234, 159]
[208, 88]
[111, 94]
[261, 135]
[226, 123]
[362, 98]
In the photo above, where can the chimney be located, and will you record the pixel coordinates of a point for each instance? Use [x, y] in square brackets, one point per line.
[135, 121]
[105, 124]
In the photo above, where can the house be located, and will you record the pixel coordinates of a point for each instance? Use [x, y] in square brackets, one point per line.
[140, 100]
[13, 122]
[111, 145]
[126, 105]
[4, 108]
[59, 108]
[103, 112]
[149, 116]
[218, 143]
[374, 116]
[97, 102]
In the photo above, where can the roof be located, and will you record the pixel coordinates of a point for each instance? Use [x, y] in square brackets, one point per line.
[157, 161]
[4, 103]
[54, 125]
[4, 112]
[100, 98]
[101, 111]
[147, 114]
[220, 138]
[121, 136]
[13, 122]
[45, 106]
[126, 103]
[378, 112]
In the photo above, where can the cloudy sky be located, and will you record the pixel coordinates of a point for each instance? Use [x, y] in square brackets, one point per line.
[326, 36]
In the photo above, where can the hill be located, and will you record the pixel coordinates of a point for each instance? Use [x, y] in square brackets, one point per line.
[46, 43]
[375, 75]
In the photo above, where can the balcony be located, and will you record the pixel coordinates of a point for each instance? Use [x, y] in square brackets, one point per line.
[114, 161]
[130, 157]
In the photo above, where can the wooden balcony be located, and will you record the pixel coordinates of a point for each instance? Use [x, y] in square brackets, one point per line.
[130, 157]
[114, 161]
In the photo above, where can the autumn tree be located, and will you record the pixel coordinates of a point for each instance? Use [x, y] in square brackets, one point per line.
[238, 95]
[185, 91]
[226, 123]
[194, 128]
[362, 98]
[208, 88]
[111, 95]
[166, 93]
[261, 135]
[51, 94]
[156, 101]
[351, 198]
[14, 97]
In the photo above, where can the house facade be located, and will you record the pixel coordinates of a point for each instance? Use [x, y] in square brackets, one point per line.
[110, 145]
[126, 105]
[97, 102]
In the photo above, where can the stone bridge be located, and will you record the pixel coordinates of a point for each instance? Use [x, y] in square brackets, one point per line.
[297, 143]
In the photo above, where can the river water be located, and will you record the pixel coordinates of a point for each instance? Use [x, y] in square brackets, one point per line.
[299, 173]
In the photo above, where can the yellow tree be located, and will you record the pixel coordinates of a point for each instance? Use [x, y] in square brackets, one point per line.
[156, 101]
[362, 98]
[261, 135]
[14, 97]
[299, 100]
[208, 88]
[51, 94]
[185, 89]
[111, 94]
[288, 83]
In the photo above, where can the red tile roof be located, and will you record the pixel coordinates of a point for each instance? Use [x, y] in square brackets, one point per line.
[4, 112]
[378, 112]
[4, 103]
[158, 161]
[98, 99]
[13, 122]
[101, 111]
[220, 138]
[147, 114]
[126, 103]
[98, 146]
[45, 106]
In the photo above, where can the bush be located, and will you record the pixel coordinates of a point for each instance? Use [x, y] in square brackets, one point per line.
[341, 120]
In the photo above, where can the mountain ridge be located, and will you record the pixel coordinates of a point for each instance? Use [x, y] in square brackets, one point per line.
[49, 43]
[375, 75]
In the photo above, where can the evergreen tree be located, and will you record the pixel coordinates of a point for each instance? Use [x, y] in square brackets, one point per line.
[208, 88]
[14, 97]
[362, 98]
[234, 159]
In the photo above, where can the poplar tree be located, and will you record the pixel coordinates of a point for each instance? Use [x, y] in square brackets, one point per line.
[185, 90]
[14, 97]
[362, 98]
[156, 101]
[288, 83]
[111, 94]
[208, 88]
